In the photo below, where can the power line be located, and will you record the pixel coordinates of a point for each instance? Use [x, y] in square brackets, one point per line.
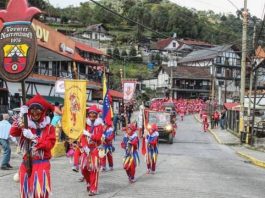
[233, 5]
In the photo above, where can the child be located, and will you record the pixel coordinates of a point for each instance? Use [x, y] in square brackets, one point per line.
[107, 138]
[152, 150]
[130, 143]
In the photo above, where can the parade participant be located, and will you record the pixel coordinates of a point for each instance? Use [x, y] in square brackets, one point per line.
[182, 112]
[90, 140]
[152, 150]
[205, 121]
[35, 181]
[131, 158]
[108, 148]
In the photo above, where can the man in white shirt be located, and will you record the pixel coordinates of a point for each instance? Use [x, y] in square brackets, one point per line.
[4, 142]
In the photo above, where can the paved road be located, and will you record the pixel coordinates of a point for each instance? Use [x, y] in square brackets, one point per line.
[194, 166]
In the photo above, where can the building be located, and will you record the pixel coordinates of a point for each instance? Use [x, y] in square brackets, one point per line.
[225, 67]
[188, 82]
[58, 57]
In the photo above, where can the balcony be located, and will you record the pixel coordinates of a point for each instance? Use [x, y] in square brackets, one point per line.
[196, 88]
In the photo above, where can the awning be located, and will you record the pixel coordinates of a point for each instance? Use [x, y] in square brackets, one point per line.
[230, 105]
[115, 94]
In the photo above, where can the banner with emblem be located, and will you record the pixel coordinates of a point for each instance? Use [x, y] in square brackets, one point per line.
[129, 87]
[74, 112]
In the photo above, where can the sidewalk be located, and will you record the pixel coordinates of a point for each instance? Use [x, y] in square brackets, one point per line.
[225, 137]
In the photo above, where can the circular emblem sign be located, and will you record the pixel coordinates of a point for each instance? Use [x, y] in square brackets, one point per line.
[18, 48]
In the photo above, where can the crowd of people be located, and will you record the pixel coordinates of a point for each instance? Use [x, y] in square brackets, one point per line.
[90, 154]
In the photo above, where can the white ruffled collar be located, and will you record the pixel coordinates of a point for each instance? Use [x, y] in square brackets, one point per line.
[42, 125]
[97, 122]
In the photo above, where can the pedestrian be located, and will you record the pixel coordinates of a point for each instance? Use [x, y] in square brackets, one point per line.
[223, 118]
[115, 123]
[130, 145]
[152, 148]
[37, 141]
[108, 147]
[5, 127]
[90, 141]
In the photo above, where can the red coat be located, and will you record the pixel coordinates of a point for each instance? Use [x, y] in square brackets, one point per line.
[96, 134]
[45, 142]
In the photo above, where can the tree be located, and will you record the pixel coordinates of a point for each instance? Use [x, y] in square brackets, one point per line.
[109, 52]
[132, 52]
[85, 14]
[116, 53]
[124, 53]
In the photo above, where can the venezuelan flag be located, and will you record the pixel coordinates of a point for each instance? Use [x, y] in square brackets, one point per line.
[107, 113]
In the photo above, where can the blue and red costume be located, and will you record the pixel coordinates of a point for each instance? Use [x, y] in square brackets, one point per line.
[107, 138]
[152, 149]
[131, 158]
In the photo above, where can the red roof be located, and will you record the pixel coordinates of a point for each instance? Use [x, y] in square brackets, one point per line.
[88, 48]
[115, 94]
[163, 43]
[79, 58]
[230, 105]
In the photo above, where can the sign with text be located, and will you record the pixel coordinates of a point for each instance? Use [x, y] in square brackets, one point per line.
[18, 43]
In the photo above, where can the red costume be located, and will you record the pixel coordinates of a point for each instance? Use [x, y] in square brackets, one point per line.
[108, 148]
[205, 121]
[130, 143]
[90, 140]
[41, 137]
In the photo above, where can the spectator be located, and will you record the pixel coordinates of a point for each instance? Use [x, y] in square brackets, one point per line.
[216, 118]
[223, 117]
[5, 127]
[115, 122]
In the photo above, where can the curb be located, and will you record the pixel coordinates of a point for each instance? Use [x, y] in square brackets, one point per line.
[210, 130]
[252, 159]
[215, 136]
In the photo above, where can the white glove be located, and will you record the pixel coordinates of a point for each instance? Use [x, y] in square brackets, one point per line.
[87, 150]
[28, 134]
[86, 133]
[23, 109]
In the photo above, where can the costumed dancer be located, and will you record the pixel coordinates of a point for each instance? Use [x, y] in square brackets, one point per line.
[131, 158]
[182, 112]
[152, 149]
[90, 141]
[108, 148]
[205, 121]
[37, 141]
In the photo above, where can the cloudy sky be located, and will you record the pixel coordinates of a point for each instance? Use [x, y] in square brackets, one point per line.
[255, 6]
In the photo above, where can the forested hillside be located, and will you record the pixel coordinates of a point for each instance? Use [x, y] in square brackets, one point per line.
[160, 15]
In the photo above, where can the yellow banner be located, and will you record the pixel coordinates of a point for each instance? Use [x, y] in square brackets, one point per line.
[74, 112]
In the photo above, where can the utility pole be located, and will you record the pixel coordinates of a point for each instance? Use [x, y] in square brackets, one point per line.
[250, 89]
[243, 68]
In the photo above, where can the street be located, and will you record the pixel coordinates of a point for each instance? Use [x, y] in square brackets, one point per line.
[195, 165]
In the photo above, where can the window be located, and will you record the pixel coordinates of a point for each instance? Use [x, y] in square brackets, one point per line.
[218, 59]
[219, 70]
[96, 36]
[174, 44]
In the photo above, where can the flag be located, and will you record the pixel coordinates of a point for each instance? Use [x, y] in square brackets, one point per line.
[107, 113]
[128, 90]
[74, 113]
